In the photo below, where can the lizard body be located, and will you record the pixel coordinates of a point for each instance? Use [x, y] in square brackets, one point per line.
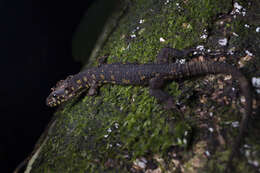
[154, 75]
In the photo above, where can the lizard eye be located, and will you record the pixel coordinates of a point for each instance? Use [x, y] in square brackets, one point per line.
[58, 93]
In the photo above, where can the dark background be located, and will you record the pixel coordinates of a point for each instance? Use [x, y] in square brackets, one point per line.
[35, 52]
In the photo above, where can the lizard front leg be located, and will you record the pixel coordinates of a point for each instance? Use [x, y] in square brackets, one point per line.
[156, 85]
[102, 60]
[93, 88]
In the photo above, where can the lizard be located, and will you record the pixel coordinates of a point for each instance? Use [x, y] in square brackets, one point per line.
[154, 75]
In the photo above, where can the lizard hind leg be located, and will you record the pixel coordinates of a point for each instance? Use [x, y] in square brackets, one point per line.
[167, 55]
[102, 60]
[155, 90]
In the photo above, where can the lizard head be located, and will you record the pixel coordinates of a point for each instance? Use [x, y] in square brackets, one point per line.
[61, 92]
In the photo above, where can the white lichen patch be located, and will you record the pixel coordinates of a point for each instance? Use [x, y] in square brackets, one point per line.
[238, 9]
[133, 36]
[200, 47]
[255, 163]
[248, 53]
[247, 26]
[231, 51]
[235, 34]
[166, 2]
[207, 153]
[223, 42]
[204, 34]
[180, 61]
[178, 6]
[257, 29]
[141, 21]
[211, 129]
[116, 125]
[186, 133]
[256, 84]
[251, 155]
[247, 153]
[246, 146]
[140, 163]
[242, 99]
[185, 141]
[109, 130]
[162, 39]
[235, 124]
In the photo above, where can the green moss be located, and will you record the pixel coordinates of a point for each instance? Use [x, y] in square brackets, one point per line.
[123, 123]
[168, 23]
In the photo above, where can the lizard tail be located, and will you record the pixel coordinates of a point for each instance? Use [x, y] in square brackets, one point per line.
[206, 67]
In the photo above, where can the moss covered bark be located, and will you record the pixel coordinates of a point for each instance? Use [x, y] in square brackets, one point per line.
[124, 129]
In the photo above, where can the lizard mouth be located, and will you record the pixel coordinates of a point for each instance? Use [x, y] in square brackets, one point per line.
[51, 102]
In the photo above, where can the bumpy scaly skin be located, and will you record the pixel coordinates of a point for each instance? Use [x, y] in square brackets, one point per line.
[154, 75]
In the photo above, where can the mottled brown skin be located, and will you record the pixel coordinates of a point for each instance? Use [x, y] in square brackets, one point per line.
[153, 75]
